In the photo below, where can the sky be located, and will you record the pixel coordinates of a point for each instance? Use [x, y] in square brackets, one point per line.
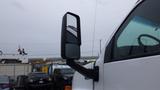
[35, 25]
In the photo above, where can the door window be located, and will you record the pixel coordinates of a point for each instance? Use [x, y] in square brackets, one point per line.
[139, 35]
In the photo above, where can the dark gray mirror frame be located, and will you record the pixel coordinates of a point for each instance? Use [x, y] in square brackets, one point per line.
[64, 34]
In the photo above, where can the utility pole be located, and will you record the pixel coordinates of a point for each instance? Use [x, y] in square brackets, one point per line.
[100, 45]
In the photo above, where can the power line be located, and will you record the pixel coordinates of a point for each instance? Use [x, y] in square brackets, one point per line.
[95, 15]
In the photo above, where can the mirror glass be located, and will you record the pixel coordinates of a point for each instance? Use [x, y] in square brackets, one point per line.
[72, 33]
[72, 51]
[71, 20]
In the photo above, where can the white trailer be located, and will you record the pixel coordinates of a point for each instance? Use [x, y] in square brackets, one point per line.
[13, 70]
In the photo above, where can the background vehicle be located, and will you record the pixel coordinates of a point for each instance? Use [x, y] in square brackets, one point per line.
[38, 79]
[5, 83]
[62, 77]
[130, 58]
[21, 82]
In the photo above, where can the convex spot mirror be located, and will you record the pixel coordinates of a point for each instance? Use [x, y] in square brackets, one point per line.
[70, 36]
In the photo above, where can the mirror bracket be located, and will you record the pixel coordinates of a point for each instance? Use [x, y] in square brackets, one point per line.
[89, 73]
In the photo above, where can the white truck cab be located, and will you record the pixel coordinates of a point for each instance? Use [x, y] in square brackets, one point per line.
[131, 58]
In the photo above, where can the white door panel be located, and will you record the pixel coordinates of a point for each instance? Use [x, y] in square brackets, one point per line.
[133, 74]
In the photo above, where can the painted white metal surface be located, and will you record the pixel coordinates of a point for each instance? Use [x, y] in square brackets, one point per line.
[134, 74]
[82, 83]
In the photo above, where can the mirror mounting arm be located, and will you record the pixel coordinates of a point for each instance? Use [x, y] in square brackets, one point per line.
[89, 73]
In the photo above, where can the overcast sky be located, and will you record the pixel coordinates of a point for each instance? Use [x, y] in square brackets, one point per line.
[36, 25]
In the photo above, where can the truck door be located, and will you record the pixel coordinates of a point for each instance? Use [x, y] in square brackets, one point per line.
[132, 58]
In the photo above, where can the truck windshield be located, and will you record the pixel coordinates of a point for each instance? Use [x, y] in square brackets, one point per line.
[139, 35]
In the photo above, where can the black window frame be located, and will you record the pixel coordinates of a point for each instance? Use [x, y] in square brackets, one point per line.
[109, 51]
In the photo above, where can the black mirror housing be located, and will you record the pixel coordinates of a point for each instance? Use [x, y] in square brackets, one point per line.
[70, 36]
[70, 45]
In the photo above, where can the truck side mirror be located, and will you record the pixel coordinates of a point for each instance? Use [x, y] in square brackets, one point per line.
[70, 36]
